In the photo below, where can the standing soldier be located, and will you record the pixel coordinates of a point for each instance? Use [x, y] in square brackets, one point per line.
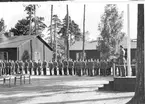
[50, 65]
[122, 61]
[74, 68]
[13, 67]
[104, 67]
[96, 67]
[83, 67]
[30, 65]
[39, 67]
[70, 66]
[79, 68]
[35, 67]
[20, 67]
[91, 67]
[44, 66]
[87, 67]
[55, 67]
[60, 66]
[101, 67]
[0, 67]
[16, 66]
[6, 66]
[25, 64]
[65, 66]
[9, 67]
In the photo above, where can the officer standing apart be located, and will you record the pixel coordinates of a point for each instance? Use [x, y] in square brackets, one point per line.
[122, 61]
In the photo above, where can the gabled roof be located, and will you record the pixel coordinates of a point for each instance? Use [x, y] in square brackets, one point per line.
[16, 41]
[133, 43]
[93, 45]
[78, 45]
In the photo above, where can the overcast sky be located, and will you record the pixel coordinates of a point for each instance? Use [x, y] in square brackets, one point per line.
[12, 12]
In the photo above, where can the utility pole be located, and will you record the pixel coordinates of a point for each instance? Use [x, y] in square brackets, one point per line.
[67, 33]
[51, 26]
[84, 32]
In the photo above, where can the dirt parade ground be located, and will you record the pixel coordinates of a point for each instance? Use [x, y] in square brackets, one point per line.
[62, 90]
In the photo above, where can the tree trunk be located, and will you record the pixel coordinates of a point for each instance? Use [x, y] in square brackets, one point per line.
[139, 97]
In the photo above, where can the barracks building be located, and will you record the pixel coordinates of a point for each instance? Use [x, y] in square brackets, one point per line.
[91, 51]
[25, 47]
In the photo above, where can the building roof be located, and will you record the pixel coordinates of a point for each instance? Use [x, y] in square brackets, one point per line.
[133, 44]
[16, 41]
[78, 45]
[93, 45]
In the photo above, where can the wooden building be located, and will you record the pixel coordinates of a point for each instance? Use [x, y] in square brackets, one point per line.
[91, 51]
[25, 47]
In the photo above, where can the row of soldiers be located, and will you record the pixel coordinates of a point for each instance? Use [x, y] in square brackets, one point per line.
[70, 67]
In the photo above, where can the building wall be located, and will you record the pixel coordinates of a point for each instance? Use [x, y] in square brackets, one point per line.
[94, 54]
[37, 50]
[12, 53]
[133, 54]
[90, 54]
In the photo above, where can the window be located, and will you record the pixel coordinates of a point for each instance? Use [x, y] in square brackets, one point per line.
[3, 55]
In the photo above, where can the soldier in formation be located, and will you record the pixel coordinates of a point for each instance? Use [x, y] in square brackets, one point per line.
[88, 67]
[60, 66]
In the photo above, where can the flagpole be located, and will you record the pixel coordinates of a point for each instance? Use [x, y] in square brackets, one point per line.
[128, 42]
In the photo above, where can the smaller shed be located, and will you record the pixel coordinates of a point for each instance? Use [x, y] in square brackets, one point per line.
[25, 47]
[91, 51]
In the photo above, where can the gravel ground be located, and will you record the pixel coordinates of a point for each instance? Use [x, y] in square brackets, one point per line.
[62, 90]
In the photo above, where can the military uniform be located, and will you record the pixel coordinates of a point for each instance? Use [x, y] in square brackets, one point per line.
[35, 66]
[103, 67]
[83, 64]
[96, 67]
[109, 65]
[60, 66]
[74, 70]
[30, 66]
[70, 66]
[50, 65]
[16, 66]
[122, 62]
[65, 66]
[87, 67]
[39, 67]
[7, 67]
[79, 68]
[25, 64]
[0, 68]
[90, 68]
[44, 65]
[12, 67]
[55, 67]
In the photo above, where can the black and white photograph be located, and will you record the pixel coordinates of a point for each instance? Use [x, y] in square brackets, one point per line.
[72, 52]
